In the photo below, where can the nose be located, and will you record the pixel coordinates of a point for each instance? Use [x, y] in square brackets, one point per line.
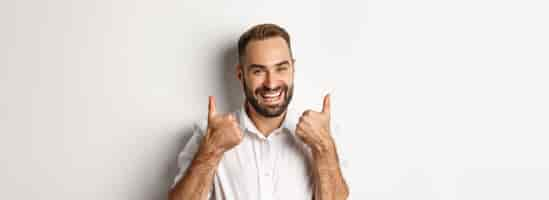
[270, 81]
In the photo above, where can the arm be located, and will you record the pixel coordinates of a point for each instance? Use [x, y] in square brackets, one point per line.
[197, 181]
[314, 129]
[328, 181]
[222, 134]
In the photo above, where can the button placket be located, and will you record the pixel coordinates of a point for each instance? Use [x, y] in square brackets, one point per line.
[266, 169]
[257, 146]
[267, 158]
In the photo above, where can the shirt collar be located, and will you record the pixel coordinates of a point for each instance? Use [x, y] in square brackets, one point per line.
[246, 124]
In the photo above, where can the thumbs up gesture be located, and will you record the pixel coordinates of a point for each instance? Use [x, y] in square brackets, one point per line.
[314, 128]
[223, 132]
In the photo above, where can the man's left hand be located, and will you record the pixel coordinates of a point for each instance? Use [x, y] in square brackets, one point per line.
[314, 129]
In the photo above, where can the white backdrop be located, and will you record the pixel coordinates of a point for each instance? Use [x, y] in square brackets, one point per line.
[437, 99]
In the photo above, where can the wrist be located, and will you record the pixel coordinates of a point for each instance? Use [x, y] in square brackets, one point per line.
[208, 156]
[325, 155]
[324, 147]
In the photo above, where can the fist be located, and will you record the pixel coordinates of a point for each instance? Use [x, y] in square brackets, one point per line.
[223, 132]
[314, 128]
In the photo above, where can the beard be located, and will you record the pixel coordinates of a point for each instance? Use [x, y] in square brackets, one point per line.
[268, 110]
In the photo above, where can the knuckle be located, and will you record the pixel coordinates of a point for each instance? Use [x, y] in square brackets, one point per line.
[234, 124]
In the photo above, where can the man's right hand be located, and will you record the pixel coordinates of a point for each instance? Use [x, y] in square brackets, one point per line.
[223, 132]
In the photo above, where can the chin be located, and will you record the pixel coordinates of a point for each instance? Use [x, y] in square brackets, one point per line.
[273, 112]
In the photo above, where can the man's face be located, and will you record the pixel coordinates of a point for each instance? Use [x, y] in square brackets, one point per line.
[267, 73]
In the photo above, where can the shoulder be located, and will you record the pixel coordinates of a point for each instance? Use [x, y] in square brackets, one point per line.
[199, 127]
[193, 140]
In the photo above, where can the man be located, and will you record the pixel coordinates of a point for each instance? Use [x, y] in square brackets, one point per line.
[262, 151]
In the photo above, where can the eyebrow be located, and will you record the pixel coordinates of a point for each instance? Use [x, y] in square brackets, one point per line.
[264, 67]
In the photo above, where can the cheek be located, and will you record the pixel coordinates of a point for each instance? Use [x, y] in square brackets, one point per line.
[288, 79]
[289, 84]
[253, 84]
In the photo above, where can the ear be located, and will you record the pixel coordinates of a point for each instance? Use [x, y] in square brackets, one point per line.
[293, 64]
[239, 71]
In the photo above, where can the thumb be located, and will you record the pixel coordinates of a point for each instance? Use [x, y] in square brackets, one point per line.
[326, 105]
[211, 106]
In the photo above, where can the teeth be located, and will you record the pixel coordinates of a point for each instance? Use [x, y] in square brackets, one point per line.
[272, 95]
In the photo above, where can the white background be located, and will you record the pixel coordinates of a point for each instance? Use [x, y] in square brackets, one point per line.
[437, 99]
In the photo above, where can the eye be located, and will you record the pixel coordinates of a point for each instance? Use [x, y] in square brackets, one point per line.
[257, 72]
[281, 69]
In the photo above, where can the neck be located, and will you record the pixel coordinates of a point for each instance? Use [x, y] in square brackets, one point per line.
[265, 125]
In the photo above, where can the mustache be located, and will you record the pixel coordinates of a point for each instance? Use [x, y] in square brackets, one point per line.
[267, 89]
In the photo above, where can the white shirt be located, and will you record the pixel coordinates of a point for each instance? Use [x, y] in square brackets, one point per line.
[277, 167]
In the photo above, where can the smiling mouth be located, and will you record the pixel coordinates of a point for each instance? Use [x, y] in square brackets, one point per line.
[272, 97]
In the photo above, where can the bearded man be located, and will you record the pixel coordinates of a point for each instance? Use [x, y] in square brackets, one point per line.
[262, 151]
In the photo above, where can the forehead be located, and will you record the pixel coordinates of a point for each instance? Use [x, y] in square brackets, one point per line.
[267, 52]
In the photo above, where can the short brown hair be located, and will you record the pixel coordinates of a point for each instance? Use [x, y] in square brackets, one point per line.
[261, 32]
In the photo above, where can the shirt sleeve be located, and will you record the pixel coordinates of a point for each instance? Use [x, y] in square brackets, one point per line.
[186, 155]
